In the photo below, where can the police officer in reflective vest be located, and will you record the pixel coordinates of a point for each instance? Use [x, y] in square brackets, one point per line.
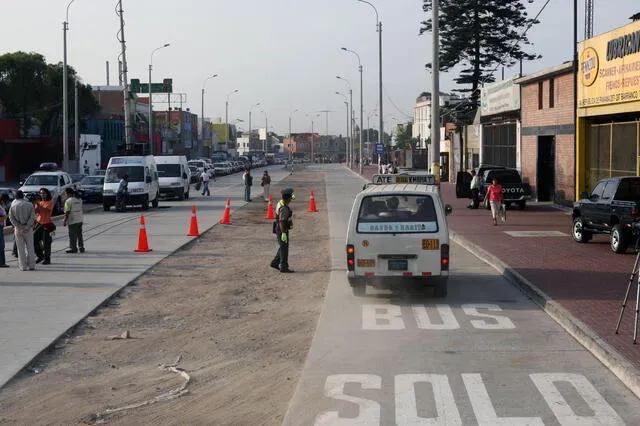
[282, 226]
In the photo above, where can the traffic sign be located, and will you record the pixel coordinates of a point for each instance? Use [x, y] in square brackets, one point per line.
[379, 148]
[165, 87]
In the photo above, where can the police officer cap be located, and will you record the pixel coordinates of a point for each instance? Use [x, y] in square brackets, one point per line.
[287, 193]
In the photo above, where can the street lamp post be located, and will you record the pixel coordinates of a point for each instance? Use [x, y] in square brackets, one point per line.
[250, 108]
[346, 101]
[290, 152]
[202, 107]
[150, 103]
[65, 95]
[226, 117]
[266, 132]
[361, 107]
[350, 97]
[379, 30]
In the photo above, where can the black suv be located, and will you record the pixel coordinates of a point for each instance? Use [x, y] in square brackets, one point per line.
[611, 208]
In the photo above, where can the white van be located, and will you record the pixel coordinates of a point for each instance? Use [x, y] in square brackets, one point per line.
[143, 181]
[398, 231]
[174, 176]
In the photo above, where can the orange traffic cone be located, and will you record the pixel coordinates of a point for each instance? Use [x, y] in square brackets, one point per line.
[193, 227]
[312, 204]
[143, 244]
[270, 214]
[226, 217]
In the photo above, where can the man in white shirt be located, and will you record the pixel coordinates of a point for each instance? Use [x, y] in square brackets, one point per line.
[205, 183]
[475, 191]
[23, 217]
[73, 217]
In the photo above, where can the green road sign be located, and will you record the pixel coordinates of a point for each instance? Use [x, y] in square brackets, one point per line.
[165, 87]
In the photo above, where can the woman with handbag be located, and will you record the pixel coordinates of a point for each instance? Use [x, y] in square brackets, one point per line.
[44, 227]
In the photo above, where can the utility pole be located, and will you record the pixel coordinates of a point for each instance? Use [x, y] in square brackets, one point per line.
[435, 95]
[76, 126]
[125, 81]
[326, 111]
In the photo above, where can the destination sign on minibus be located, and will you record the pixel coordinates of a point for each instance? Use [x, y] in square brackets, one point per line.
[417, 179]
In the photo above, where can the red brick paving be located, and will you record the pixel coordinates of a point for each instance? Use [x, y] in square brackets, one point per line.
[588, 280]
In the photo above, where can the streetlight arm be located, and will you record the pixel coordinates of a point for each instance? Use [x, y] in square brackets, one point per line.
[67, 15]
[355, 53]
[374, 8]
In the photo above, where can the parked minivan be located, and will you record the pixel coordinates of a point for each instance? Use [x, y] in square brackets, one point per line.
[174, 176]
[143, 185]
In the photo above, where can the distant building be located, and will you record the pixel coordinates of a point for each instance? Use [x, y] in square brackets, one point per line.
[422, 115]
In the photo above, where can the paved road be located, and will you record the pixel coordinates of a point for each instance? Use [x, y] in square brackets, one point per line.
[485, 355]
[37, 307]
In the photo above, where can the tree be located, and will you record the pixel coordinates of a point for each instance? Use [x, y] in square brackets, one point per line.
[480, 35]
[31, 91]
[404, 136]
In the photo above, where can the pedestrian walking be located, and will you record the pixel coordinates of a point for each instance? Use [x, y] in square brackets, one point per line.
[475, 199]
[205, 183]
[3, 218]
[23, 217]
[44, 227]
[494, 193]
[266, 185]
[73, 217]
[283, 225]
[247, 179]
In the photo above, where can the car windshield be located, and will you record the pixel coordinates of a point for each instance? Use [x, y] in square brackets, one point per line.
[169, 170]
[92, 180]
[114, 174]
[42, 180]
[629, 190]
[397, 214]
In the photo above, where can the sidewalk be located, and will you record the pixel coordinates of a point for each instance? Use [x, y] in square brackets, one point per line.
[581, 286]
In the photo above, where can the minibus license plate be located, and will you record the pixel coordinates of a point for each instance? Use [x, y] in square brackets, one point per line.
[398, 265]
[430, 244]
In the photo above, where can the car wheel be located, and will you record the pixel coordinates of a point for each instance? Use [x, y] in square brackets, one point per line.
[181, 196]
[619, 239]
[106, 207]
[522, 205]
[578, 232]
[440, 289]
[155, 201]
[358, 287]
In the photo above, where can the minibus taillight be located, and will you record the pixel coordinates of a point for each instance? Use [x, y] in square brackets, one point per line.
[444, 257]
[350, 257]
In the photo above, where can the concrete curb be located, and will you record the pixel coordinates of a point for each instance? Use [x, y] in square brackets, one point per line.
[7, 230]
[607, 355]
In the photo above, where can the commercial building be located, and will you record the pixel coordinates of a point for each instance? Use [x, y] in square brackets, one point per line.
[500, 124]
[547, 133]
[608, 115]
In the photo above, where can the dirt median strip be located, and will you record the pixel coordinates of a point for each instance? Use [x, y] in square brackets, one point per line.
[241, 328]
[614, 361]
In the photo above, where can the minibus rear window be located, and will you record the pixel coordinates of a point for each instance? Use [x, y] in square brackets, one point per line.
[397, 214]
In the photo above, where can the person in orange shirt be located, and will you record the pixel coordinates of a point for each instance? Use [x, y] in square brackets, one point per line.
[44, 227]
[494, 193]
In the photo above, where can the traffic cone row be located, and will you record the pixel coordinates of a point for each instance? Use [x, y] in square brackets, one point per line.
[312, 204]
[143, 243]
[270, 213]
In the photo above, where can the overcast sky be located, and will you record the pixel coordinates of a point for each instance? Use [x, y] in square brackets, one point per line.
[284, 54]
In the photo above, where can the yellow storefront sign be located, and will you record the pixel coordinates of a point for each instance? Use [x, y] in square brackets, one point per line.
[609, 68]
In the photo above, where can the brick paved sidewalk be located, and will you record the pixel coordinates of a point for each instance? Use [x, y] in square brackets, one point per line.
[587, 280]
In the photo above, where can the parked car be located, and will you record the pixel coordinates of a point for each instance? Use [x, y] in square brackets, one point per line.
[48, 166]
[90, 188]
[195, 175]
[513, 189]
[10, 192]
[611, 208]
[221, 169]
[55, 181]
[76, 177]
